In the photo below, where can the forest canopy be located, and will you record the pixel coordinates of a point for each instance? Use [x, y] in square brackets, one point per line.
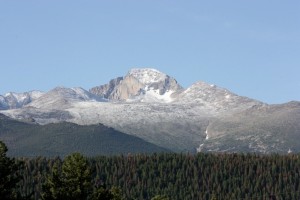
[164, 176]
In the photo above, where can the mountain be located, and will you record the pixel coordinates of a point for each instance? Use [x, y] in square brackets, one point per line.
[61, 97]
[216, 99]
[13, 100]
[263, 129]
[60, 139]
[51, 107]
[143, 85]
[151, 105]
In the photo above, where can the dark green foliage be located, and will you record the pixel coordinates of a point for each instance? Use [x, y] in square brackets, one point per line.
[9, 176]
[76, 177]
[102, 193]
[71, 182]
[183, 176]
[116, 193]
[159, 197]
[53, 188]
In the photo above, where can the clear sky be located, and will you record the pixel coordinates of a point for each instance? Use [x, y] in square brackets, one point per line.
[249, 47]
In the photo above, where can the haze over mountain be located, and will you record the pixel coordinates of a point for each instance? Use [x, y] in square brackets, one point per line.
[151, 105]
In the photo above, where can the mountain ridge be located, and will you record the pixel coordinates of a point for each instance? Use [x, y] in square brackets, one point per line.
[151, 105]
[13, 100]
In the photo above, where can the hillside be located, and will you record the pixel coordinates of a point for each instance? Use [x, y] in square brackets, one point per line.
[60, 139]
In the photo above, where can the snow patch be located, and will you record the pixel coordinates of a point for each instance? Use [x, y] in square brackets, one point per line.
[151, 95]
[147, 75]
[154, 94]
[199, 149]
[227, 96]
[207, 137]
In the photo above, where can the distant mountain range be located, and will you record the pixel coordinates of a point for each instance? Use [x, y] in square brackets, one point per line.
[152, 106]
[18, 100]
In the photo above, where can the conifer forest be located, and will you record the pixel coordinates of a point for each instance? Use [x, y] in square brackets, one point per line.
[156, 176]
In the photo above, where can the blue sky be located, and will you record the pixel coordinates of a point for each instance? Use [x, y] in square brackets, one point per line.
[249, 47]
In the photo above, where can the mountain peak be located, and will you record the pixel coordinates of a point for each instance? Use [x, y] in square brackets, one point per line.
[13, 100]
[216, 98]
[140, 84]
[147, 75]
[144, 70]
[62, 97]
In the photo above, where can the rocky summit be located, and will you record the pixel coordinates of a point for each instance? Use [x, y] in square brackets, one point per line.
[152, 106]
[139, 85]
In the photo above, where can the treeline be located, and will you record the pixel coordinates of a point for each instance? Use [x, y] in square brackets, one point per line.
[179, 176]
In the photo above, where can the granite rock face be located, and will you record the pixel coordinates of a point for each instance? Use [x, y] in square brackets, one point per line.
[137, 84]
[106, 90]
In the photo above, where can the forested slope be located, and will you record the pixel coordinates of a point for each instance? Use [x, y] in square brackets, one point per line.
[61, 139]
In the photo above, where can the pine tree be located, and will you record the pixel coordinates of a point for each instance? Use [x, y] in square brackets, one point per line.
[8, 175]
[53, 189]
[76, 176]
[73, 182]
